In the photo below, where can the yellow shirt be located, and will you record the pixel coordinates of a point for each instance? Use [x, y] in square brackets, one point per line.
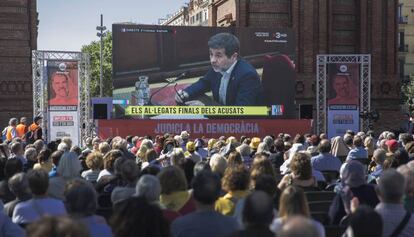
[45, 166]
[175, 201]
[226, 204]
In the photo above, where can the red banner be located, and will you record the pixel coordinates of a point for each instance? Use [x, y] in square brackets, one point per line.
[210, 128]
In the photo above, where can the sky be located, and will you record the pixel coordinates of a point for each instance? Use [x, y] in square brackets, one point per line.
[67, 25]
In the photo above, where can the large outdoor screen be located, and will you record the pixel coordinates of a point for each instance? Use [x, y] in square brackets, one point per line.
[264, 71]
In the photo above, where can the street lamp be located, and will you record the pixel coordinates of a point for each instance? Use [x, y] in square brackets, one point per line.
[101, 34]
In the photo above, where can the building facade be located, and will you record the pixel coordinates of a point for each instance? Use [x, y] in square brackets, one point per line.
[179, 18]
[329, 27]
[18, 37]
[406, 39]
[198, 12]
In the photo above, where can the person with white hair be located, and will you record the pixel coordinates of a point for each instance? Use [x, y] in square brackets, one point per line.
[39, 145]
[30, 154]
[185, 136]
[68, 142]
[178, 139]
[17, 152]
[149, 187]
[63, 147]
[244, 151]
[218, 164]
[122, 145]
[69, 168]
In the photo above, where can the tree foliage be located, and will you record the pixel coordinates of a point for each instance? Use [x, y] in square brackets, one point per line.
[93, 50]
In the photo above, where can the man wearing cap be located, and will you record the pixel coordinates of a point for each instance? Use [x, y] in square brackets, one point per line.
[254, 144]
[392, 145]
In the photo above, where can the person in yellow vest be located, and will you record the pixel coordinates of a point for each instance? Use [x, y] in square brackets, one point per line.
[22, 128]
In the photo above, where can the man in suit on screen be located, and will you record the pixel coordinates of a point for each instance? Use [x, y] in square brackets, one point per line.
[232, 80]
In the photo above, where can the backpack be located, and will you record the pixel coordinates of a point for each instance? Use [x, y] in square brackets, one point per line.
[4, 134]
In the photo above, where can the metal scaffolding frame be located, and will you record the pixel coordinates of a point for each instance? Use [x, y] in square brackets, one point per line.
[40, 87]
[364, 60]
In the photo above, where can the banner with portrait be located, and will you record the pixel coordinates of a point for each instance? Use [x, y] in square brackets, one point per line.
[63, 82]
[63, 99]
[342, 96]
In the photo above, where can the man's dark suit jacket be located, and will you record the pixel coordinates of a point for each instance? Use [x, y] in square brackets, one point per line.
[244, 87]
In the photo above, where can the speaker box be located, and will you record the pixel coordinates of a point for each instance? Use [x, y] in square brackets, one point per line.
[100, 111]
[306, 111]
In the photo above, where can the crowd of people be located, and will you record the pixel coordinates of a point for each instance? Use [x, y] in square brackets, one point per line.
[176, 185]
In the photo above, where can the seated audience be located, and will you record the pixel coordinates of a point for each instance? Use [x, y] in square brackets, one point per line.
[339, 148]
[11, 167]
[244, 150]
[149, 187]
[94, 161]
[205, 221]
[391, 187]
[56, 155]
[234, 158]
[81, 204]
[30, 154]
[301, 174]
[50, 226]
[69, 168]
[257, 215]
[129, 173]
[43, 160]
[174, 194]
[364, 222]
[325, 161]
[378, 158]
[298, 226]
[353, 184]
[408, 172]
[108, 172]
[293, 202]
[218, 164]
[190, 153]
[235, 183]
[40, 205]
[358, 152]
[277, 157]
[19, 186]
[131, 218]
